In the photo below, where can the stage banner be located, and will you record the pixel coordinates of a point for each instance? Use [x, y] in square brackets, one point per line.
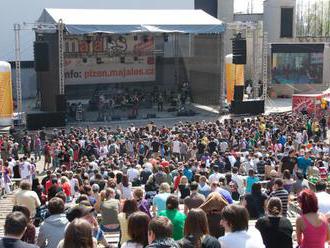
[112, 59]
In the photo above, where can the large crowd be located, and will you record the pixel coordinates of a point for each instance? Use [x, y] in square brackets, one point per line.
[196, 184]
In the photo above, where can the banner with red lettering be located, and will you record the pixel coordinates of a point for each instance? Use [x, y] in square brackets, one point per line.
[109, 59]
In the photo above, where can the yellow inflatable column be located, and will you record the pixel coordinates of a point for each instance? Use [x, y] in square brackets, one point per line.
[6, 95]
[234, 76]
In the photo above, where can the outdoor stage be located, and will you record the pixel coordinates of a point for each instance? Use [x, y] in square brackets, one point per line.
[112, 64]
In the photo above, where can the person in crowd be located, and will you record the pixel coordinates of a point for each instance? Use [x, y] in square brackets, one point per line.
[255, 202]
[196, 231]
[239, 180]
[304, 162]
[175, 216]
[125, 188]
[311, 227]
[223, 192]
[203, 187]
[280, 192]
[30, 233]
[213, 206]
[160, 232]
[235, 220]
[276, 230]
[26, 197]
[129, 207]
[300, 183]
[143, 204]
[323, 198]
[109, 207]
[194, 200]
[6, 177]
[250, 180]
[52, 229]
[85, 211]
[14, 229]
[183, 188]
[287, 181]
[137, 230]
[159, 201]
[78, 234]
[289, 162]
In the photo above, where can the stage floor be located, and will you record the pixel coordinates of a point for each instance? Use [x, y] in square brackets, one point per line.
[278, 105]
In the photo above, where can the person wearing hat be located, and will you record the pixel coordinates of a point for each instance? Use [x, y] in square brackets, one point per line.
[85, 211]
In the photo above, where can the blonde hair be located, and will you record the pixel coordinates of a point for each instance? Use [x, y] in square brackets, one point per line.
[164, 188]
[184, 180]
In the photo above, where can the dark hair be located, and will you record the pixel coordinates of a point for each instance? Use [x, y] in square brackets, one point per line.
[251, 172]
[320, 186]
[138, 227]
[61, 195]
[237, 217]
[234, 170]
[196, 225]
[299, 175]
[56, 206]
[279, 182]
[286, 174]
[130, 206]
[125, 181]
[308, 200]
[193, 186]
[172, 202]
[15, 223]
[119, 177]
[78, 234]
[161, 227]
[23, 210]
[256, 188]
[274, 206]
[82, 197]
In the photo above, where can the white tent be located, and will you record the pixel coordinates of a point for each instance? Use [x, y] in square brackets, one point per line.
[86, 21]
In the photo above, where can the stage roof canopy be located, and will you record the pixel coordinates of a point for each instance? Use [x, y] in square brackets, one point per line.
[122, 21]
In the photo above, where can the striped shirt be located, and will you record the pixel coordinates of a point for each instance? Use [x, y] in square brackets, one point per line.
[284, 196]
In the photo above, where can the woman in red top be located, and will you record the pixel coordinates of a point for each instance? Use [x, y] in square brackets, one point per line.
[66, 187]
[311, 227]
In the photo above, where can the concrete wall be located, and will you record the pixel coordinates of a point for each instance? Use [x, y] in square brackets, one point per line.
[272, 19]
[226, 14]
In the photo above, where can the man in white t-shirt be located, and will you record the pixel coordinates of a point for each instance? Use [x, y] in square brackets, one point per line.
[215, 176]
[26, 197]
[176, 147]
[25, 169]
[323, 198]
[239, 180]
[235, 220]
